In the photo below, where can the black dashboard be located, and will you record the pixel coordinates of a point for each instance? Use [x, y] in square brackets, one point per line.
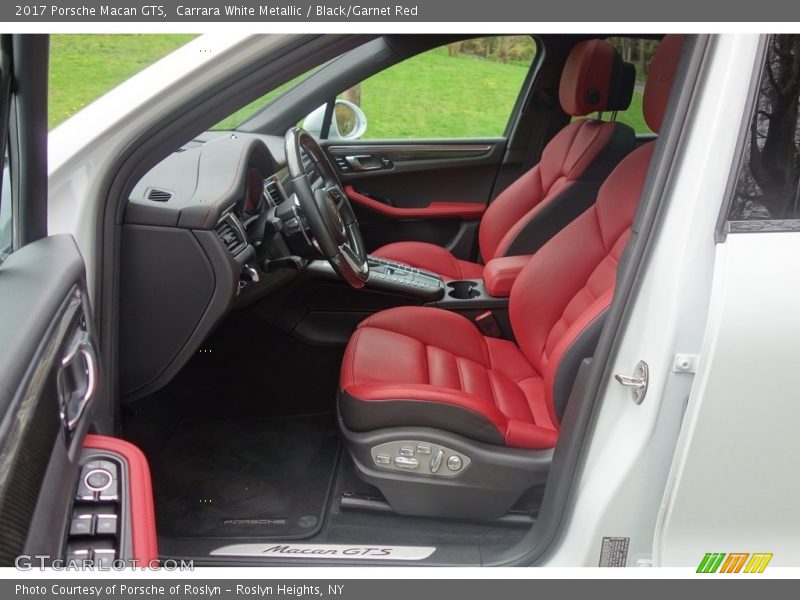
[196, 228]
[213, 174]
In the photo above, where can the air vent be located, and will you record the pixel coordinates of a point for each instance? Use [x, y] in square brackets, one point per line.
[157, 195]
[272, 192]
[230, 232]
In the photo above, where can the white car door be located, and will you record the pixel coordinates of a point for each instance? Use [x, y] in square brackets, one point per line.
[731, 503]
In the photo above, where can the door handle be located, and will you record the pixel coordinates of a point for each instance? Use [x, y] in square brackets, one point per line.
[77, 380]
[358, 162]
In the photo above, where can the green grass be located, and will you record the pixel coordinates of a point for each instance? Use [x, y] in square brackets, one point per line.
[231, 121]
[435, 95]
[633, 116]
[429, 96]
[84, 67]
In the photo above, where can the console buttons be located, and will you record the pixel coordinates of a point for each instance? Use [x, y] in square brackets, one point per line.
[383, 459]
[436, 461]
[404, 451]
[406, 463]
[341, 162]
[78, 554]
[98, 480]
[111, 493]
[81, 525]
[83, 493]
[105, 465]
[454, 463]
[106, 525]
[423, 449]
[103, 553]
[104, 559]
[94, 528]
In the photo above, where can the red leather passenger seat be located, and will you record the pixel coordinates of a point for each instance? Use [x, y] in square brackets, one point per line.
[426, 367]
[565, 181]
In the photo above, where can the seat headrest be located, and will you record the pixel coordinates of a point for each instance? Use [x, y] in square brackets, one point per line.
[659, 80]
[595, 78]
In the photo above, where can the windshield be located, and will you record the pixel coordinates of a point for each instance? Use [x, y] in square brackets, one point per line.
[85, 67]
[243, 114]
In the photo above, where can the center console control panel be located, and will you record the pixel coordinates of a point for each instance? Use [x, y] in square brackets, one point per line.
[396, 277]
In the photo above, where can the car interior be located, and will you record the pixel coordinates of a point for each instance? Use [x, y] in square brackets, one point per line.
[374, 342]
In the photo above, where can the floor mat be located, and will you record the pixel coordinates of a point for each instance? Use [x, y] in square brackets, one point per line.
[245, 478]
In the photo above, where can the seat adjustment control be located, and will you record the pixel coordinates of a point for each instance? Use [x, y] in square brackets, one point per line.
[420, 457]
[454, 463]
[436, 461]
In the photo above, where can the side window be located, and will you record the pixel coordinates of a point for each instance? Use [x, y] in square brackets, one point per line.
[6, 234]
[6, 222]
[461, 90]
[767, 183]
[638, 51]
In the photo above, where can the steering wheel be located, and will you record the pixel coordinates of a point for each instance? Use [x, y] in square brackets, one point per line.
[330, 217]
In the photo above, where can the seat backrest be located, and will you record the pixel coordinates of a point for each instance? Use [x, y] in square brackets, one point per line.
[569, 283]
[574, 163]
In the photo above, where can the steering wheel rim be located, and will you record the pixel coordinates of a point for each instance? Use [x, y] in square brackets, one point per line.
[327, 209]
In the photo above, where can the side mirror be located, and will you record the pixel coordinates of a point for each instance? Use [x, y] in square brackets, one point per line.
[348, 123]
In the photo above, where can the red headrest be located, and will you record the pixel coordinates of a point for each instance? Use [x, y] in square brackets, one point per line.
[659, 80]
[595, 78]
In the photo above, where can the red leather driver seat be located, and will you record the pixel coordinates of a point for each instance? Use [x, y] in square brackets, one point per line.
[565, 181]
[416, 380]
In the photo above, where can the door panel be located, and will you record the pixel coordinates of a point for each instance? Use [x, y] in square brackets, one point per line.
[50, 375]
[428, 191]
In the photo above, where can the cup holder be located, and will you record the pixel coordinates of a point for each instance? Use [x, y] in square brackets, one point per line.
[463, 290]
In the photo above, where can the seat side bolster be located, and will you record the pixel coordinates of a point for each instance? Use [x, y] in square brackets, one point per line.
[527, 435]
[368, 407]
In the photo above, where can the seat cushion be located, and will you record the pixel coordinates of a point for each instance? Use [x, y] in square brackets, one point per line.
[430, 257]
[426, 367]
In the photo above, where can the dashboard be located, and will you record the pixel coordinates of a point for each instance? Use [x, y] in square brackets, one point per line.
[216, 173]
[197, 230]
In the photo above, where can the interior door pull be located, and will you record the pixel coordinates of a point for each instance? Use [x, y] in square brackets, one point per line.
[361, 162]
[77, 380]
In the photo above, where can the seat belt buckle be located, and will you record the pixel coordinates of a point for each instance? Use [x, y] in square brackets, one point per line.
[488, 325]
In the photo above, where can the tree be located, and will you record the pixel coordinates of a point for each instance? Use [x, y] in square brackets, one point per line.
[768, 180]
[353, 94]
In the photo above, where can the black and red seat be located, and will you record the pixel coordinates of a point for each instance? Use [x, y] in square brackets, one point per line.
[420, 378]
[565, 181]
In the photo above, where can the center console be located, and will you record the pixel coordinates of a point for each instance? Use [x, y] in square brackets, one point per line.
[466, 296]
[430, 287]
[395, 277]
[333, 316]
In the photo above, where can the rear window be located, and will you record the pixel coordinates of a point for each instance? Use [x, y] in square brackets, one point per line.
[767, 180]
[638, 51]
